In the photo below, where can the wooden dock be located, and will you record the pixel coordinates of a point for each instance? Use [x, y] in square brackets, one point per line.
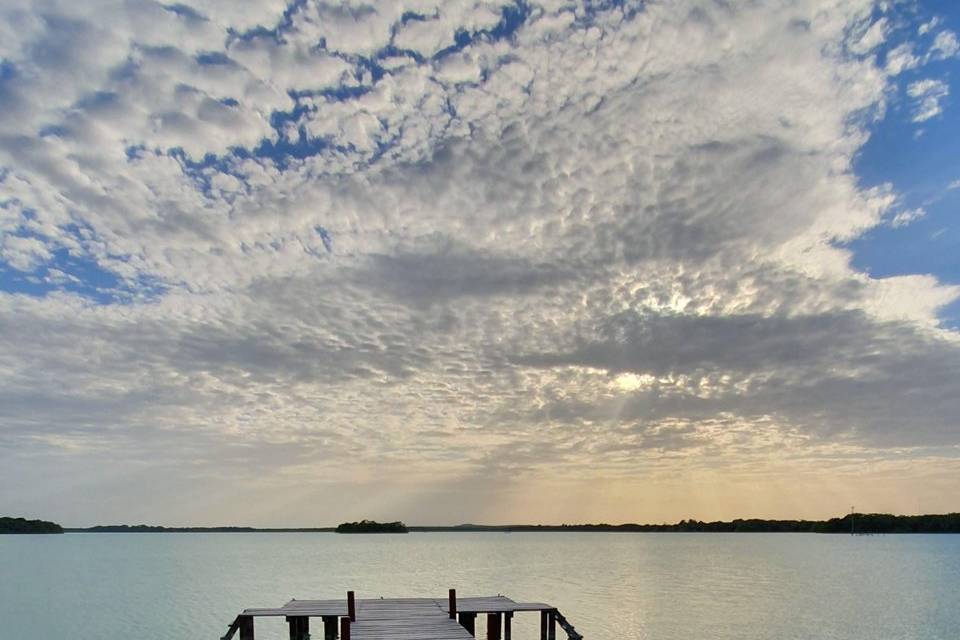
[448, 618]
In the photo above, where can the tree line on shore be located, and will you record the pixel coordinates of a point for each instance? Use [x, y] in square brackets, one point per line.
[850, 523]
[861, 523]
[22, 525]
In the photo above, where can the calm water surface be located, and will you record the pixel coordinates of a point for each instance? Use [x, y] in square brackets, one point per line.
[656, 586]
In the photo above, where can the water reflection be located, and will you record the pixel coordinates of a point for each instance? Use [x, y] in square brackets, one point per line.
[645, 586]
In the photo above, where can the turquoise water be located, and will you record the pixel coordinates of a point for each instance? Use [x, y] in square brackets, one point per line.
[659, 586]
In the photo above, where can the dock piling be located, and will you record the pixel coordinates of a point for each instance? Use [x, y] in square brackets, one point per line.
[329, 628]
[351, 607]
[453, 604]
[246, 628]
[344, 628]
[468, 621]
[299, 627]
[552, 628]
[507, 618]
[493, 626]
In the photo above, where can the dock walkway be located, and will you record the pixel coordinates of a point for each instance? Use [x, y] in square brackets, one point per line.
[404, 618]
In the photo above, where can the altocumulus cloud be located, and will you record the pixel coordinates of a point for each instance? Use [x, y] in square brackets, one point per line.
[263, 246]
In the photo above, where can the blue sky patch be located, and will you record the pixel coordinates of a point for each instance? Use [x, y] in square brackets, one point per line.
[73, 274]
[920, 160]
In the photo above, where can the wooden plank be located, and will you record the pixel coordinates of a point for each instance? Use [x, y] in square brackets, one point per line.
[336, 606]
[407, 619]
[457, 632]
[369, 631]
[265, 612]
[495, 604]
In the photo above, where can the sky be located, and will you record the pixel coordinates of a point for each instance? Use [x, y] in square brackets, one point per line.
[291, 264]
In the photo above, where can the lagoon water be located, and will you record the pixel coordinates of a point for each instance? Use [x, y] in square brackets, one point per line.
[657, 586]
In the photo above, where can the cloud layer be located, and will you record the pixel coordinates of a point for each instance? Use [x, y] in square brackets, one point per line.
[278, 249]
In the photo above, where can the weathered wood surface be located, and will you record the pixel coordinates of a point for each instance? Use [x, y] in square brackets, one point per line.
[400, 618]
[314, 608]
[494, 604]
[410, 619]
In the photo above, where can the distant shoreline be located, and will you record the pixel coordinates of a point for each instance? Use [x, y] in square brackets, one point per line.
[874, 523]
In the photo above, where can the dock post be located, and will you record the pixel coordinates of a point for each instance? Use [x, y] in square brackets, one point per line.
[246, 627]
[351, 607]
[543, 625]
[507, 618]
[552, 629]
[493, 626]
[468, 621]
[344, 628]
[453, 604]
[329, 628]
[299, 627]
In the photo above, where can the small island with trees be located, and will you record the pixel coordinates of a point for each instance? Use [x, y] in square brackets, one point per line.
[370, 526]
[22, 525]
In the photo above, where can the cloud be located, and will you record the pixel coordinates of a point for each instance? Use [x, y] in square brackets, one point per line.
[907, 217]
[944, 46]
[868, 35]
[349, 243]
[927, 95]
[929, 25]
[901, 58]
[24, 253]
[799, 369]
